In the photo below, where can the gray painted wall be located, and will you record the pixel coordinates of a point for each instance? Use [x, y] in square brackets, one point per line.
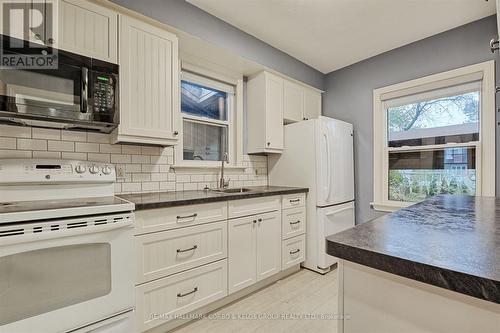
[349, 91]
[186, 17]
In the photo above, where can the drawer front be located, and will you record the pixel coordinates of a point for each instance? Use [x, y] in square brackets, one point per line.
[160, 219]
[246, 207]
[294, 200]
[293, 251]
[161, 300]
[293, 222]
[169, 252]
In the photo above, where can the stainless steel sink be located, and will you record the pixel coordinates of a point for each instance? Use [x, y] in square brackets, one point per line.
[233, 190]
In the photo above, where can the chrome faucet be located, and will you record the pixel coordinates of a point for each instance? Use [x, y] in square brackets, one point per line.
[222, 182]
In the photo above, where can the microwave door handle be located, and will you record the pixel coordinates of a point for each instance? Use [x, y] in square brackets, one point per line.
[85, 90]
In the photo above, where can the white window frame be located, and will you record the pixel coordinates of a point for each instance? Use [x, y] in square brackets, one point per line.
[234, 121]
[485, 147]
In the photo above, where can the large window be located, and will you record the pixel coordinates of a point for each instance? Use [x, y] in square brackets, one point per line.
[433, 136]
[210, 118]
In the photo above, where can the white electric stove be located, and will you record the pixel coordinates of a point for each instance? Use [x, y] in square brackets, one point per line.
[66, 248]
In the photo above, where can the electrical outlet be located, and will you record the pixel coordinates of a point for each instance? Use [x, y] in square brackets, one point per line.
[120, 171]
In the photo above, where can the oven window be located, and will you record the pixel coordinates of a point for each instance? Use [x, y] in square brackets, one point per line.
[36, 282]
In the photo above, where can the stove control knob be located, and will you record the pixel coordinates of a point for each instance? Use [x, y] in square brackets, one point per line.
[80, 168]
[107, 170]
[94, 169]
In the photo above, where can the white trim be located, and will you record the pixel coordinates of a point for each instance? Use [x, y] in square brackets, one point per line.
[234, 118]
[485, 150]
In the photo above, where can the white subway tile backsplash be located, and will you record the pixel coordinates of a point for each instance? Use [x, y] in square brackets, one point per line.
[115, 158]
[98, 157]
[74, 156]
[47, 154]
[31, 144]
[98, 137]
[15, 131]
[61, 146]
[108, 148]
[46, 133]
[86, 147]
[77, 136]
[15, 153]
[8, 143]
[146, 168]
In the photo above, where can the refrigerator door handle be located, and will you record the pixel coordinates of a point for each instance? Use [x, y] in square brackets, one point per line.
[328, 166]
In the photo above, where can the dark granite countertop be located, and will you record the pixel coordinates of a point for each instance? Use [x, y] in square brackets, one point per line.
[180, 198]
[448, 241]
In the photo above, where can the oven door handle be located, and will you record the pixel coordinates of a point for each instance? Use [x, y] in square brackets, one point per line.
[84, 98]
[47, 233]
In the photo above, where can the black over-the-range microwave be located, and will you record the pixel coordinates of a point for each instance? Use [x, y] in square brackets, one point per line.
[75, 92]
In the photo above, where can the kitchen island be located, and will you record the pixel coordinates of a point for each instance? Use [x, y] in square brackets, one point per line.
[431, 267]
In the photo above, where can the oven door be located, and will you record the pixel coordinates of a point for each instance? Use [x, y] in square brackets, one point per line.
[60, 275]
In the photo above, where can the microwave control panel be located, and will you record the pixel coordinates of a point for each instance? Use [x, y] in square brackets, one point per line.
[103, 92]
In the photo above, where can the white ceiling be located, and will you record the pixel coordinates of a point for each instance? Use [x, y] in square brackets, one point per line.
[331, 34]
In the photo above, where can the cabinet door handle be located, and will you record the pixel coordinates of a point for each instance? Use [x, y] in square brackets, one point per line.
[188, 293]
[292, 223]
[269, 143]
[187, 216]
[260, 220]
[194, 247]
[254, 221]
[176, 132]
[51, 40]
[295, 251]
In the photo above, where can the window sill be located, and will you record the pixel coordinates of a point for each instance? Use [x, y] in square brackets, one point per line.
[199, 167]
[389, 206]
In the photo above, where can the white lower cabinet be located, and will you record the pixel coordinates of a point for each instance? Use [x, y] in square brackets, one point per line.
[243, 249]
[268, 245]
[165, 253]
[293, 251]
[190, 256]
[254, 249]
[162, 300]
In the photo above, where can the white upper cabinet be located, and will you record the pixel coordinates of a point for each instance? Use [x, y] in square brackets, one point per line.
[292, 101]
[149, 84]
[88, 29]
[272, 102]
[300, 102]
[265, 114]
[312, 104]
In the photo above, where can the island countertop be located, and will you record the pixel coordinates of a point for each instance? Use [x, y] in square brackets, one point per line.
[180, 198]
[448, 241]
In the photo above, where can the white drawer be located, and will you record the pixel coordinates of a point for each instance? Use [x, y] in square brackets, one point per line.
[293, 251]
[159, 301]
[246, 207]
[169, 252]
[293, 222]
[294, 200]
[160, 219]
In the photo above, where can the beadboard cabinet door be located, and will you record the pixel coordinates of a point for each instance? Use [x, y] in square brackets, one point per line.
[88, 29]
[149, 84]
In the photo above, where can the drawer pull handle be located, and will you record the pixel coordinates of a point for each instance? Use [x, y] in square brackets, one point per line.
[292, 223]
[295, 251]
[188, 293]
[294, 200]
[187, 250]
[187, 216]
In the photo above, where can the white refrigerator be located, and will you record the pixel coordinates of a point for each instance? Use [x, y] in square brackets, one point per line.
[318, 154]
